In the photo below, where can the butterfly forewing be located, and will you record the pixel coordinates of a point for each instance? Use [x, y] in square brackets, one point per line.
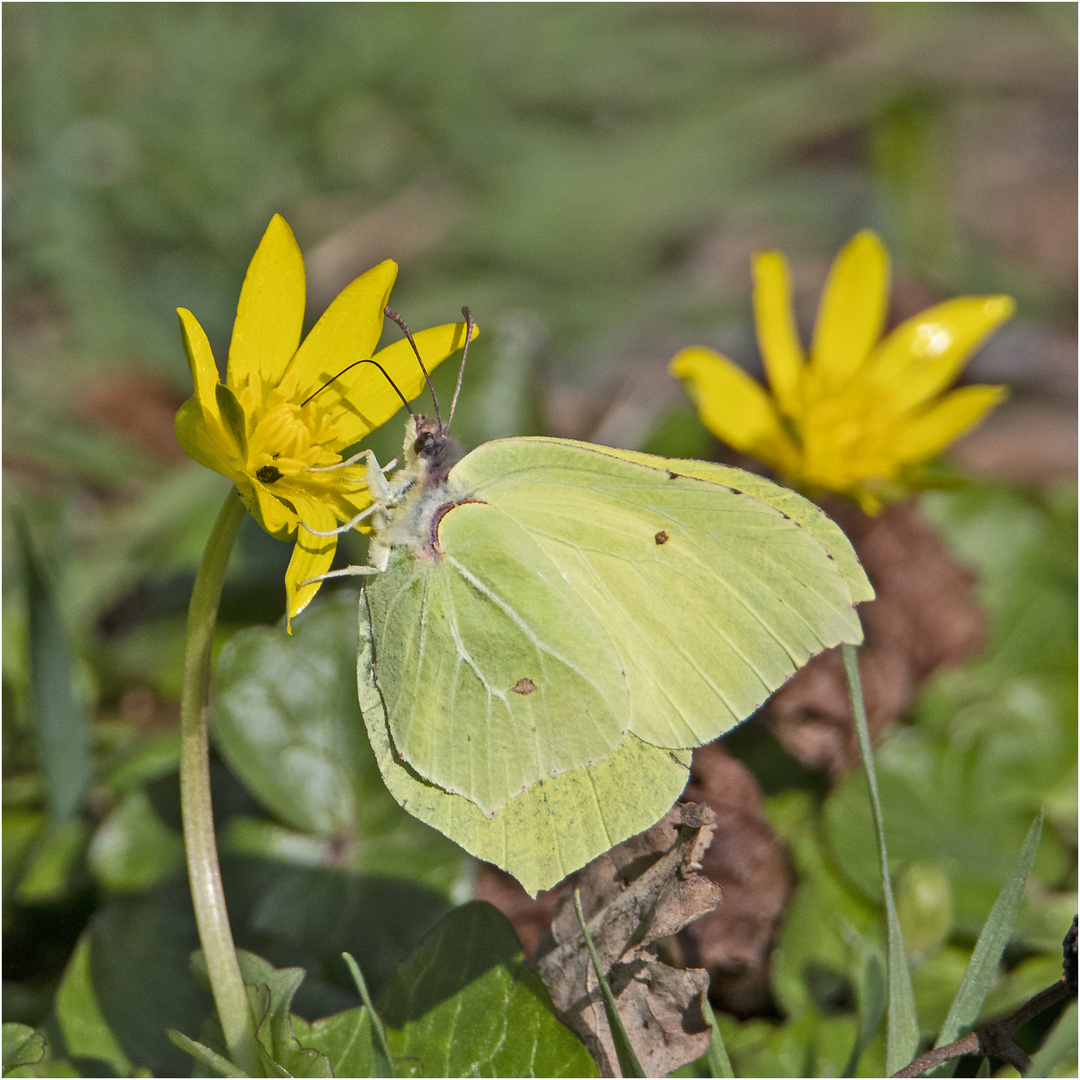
[712, 597]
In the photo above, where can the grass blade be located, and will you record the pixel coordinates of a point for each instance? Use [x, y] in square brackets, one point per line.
[205, 1055]
[717, 1055]
[902, 1024]
[384, 1063]
[995, 935]
[628, 1062]
[60, 726]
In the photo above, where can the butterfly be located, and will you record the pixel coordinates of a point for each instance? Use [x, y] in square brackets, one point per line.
[548, 627]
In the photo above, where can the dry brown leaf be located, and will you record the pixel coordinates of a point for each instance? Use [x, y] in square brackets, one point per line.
[646, 888]
[925, 617]
[749, 862]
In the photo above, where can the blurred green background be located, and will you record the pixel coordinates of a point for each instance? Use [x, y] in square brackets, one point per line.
[591, 179]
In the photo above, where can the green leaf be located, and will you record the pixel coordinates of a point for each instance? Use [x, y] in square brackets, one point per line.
[813, 1045]
[270, 993]
[465, 1004]
[870, 993]
[815, 961]
[285, 715]
[902, 1021]
[284, 718]
[54, 861]
[82, 1022]
[22, 1047]
[344, 1044]
[20, 828]
[129, 980]
[982, 969]
[348, 1040]
[322, 911]
[1057, 1055]
[133, 849]
[924, 906]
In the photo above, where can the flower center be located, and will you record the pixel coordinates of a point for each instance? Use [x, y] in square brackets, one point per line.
[289, 439]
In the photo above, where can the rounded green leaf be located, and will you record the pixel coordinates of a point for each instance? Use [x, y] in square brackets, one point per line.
[465, 1004]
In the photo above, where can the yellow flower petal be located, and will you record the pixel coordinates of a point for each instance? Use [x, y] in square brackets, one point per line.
[924, 435]
[348, 331]
[732, 405]
[192, 427]
[269, 511]
[311, 557]
[270, 315]
[861, 416]
[364, 399]
[925, 354]
[200, 358]
[852, 311]
[778, 338]
[200, 427]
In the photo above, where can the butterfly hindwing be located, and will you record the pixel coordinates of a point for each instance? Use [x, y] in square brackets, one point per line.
[554, 827]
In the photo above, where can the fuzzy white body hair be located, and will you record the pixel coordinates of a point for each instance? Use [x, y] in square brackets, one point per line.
[407, 502]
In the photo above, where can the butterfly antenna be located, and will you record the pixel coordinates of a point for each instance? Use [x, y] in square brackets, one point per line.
[376, 363]
[469, 324]
[392, 314]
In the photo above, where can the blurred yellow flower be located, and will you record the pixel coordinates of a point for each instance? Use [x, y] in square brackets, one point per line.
[862, 414]
[278, 424]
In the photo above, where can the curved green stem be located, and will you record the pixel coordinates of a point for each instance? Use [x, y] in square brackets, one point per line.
[200, 845]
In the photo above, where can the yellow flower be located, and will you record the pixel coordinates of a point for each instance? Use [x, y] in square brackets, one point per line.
[861, 415]
[287, 410]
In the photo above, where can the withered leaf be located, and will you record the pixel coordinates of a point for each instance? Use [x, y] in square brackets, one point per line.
[644, 889]
[747, 859]
[925, 617]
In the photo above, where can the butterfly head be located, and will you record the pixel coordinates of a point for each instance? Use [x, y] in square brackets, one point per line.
[430, 449]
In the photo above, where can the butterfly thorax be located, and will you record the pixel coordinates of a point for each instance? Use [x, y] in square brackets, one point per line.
[421, 492]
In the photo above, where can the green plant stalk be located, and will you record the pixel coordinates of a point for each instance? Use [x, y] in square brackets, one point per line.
[902, 1026]
[200, 845]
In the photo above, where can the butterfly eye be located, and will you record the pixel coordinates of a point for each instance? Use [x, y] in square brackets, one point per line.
[424, 443]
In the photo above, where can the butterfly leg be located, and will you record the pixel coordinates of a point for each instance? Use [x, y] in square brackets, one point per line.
[350, 524]
[377, 485]
[352, 461]
[347, 571]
